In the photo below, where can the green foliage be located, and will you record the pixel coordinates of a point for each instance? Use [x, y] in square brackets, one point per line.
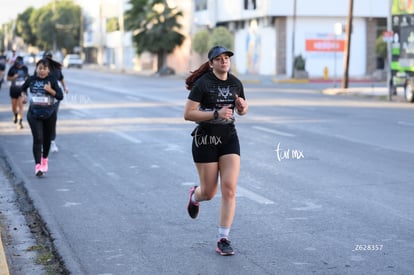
[23, 28]
[155, 28]
[222, 37]
[203, 40]
[381, 47]
[200, 43]
[299, 63]
[112, 24]
[57, 22]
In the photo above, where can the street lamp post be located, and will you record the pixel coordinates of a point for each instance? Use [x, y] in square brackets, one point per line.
[293, 37]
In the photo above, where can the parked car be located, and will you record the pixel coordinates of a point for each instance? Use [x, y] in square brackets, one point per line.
[72, 60]
[29, 59]
[39, 56]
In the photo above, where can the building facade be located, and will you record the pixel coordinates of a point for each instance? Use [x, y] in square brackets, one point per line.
[270, 33]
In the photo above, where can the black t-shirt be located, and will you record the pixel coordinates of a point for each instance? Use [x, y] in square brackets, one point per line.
[3, 62]
[22, 73]
[37, 95]
[214, 93]
[57, 73]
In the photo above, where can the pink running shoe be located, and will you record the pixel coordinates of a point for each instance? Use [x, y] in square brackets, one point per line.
[38, 171]
[44, 167]
[192, 207]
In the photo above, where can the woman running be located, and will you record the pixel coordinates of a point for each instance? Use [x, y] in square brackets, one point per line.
[43, 93]
[215, 95]
[17, 74]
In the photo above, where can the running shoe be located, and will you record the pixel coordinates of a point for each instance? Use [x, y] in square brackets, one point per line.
[192, 207]
[224, 248]
[38, 170]
[53, 147]
[15, 119]
[43, 165]
[20, 125]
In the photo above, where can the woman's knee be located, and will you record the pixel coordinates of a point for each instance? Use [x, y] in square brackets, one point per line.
[208, 193]
[228, 190]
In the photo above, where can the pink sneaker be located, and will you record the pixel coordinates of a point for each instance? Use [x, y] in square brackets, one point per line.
[38, 171]
[44, 167]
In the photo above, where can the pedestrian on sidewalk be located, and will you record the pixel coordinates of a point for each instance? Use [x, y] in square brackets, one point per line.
[56, 71]
[17, 74]
[214, 96]
[3, 61]
[43, 91]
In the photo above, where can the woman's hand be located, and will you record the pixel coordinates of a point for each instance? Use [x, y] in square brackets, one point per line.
[48, 88]
[241, 105]
[225, 112]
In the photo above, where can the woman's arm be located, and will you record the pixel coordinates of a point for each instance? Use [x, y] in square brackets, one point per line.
[192, 112]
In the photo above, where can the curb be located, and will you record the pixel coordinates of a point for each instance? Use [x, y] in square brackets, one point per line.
[4, 268]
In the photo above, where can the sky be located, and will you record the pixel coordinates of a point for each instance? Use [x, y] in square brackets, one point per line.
[10, 8]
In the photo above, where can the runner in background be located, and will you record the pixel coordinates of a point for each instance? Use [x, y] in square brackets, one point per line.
[56, 71]
[3, 61]
[17, 74]
[12, 58]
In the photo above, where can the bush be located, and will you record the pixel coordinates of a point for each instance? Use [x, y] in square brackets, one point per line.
[381, 47]
[299, 63]
[201, 41]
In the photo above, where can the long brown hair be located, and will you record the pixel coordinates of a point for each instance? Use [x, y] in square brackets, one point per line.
[189, 81]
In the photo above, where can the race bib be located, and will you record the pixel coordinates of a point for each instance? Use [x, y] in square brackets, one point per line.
[19, 82]
[41, 100]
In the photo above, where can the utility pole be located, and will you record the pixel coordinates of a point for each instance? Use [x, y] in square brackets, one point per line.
[122, 32]
[293, 38]
[345, 79]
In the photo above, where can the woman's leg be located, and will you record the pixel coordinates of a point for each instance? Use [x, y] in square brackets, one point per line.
[208, 175]
[20, 106]
[229, 166]
[48, 126]
[14, 108]
[36, 126]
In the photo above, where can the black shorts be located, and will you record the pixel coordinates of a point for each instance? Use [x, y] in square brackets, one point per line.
[212, 142]
[15, 91]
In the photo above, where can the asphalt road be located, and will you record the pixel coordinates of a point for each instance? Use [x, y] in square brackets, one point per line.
[325, 184]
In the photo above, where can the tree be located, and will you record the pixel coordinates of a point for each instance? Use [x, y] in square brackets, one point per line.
[221, 37]
[155, 28]
[201, 42]
[56, 25]
[23, 28]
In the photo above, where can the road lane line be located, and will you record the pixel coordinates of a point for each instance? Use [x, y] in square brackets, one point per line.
[280, 133]
[405, 123]
[127, 137]
[242, 192]
[253, 196]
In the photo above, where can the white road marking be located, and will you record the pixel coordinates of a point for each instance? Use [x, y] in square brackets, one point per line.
[242, 192]
[69, 204]
[127, 137]
[280, 133]
[405, 123]
[253, 196]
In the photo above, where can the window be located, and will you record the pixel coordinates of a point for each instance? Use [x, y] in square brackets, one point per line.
[200, 5]
[249, 4]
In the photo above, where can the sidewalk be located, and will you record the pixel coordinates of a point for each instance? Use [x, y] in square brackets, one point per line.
[4, 268]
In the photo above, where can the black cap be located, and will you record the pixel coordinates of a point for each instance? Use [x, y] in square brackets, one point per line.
[218, 50]
[48, 54]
